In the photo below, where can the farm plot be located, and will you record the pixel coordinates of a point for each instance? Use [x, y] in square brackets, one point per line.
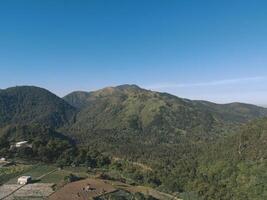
[37, 190]
[30, 191]
[8, 189]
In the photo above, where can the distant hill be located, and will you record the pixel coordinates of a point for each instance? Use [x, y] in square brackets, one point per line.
[129, 109]
[235, 112]
[28, 104]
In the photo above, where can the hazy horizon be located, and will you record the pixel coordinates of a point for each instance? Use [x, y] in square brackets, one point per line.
[207, 50]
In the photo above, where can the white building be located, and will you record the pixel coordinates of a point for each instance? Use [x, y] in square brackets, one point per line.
[21, 144]
[2, 159]
[23, 180]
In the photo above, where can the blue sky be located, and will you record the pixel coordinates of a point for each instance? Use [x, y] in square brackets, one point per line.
[212, 50]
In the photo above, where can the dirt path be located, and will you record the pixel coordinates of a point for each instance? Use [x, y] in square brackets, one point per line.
[8, 195]
[42, 176]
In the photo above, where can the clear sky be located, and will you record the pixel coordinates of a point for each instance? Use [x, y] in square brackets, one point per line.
[212, 50]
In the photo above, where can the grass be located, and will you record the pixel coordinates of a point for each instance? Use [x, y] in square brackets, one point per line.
[79, 170]
[7, 173]
[34, 171]
[58, 176]
[39, 170]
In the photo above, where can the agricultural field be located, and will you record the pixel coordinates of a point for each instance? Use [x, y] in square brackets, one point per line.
[30, 191]
[7, 189]
[49, 181]
[45, 180]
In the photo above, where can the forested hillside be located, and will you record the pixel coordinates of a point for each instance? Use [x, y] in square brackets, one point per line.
[235, 167]
[28, 104]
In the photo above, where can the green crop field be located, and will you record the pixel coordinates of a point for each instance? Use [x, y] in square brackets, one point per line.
[59, 175]
[35, 172]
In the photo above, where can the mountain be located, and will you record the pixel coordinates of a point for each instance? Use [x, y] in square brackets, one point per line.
[128, 110]
[197, 149]
[27, 104]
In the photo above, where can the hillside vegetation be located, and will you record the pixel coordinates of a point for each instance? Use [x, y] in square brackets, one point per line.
[196, 149]
[28, 104]
[235, 167]
[129, 111]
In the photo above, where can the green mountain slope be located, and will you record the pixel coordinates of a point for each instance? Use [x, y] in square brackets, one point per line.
[130, 110]
[27, 104]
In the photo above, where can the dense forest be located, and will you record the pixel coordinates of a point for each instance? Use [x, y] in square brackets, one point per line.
[195, 149]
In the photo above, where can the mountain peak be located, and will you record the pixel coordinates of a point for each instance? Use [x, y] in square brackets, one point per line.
[128, 86]
[123, 87]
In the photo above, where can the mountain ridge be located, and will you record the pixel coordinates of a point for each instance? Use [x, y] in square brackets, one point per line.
[133, 86]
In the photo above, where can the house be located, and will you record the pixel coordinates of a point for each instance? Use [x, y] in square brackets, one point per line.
[23, 180]
[21, 144]
[2, 159]
[4, 162]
